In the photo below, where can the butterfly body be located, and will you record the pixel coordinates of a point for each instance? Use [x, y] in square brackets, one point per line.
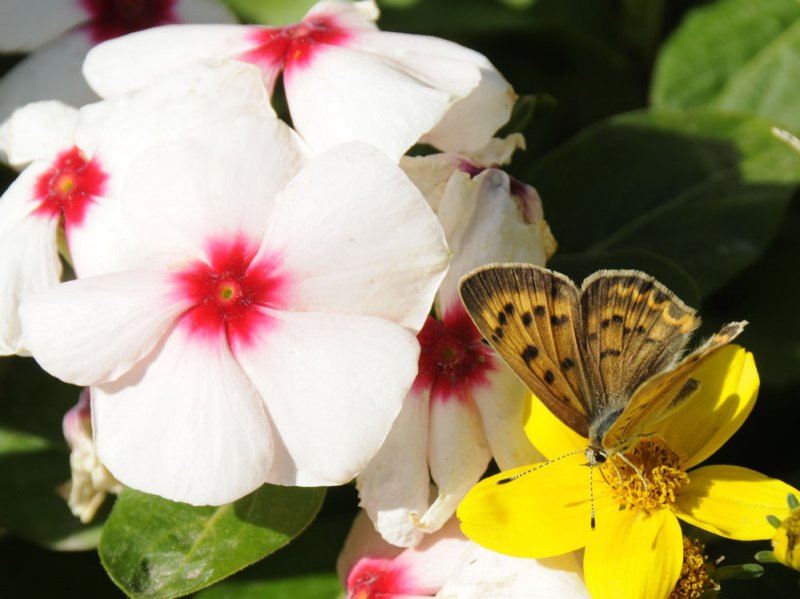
[604, 358]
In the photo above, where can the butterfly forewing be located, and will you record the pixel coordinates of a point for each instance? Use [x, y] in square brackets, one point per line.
[661, 394]
[634, 328]
[531, 317]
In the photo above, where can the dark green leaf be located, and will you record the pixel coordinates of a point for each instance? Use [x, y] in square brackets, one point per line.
[702, 189]
[735, 54]
[34, 459]
[152, 547]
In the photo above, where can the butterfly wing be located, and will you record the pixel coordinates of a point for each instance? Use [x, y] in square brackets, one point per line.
[531, 317]
[663, 393]
[635, 328]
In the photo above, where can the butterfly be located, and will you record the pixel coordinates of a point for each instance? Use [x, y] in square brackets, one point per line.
[605, 359]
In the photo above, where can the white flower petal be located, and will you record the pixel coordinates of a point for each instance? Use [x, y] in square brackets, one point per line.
[365, 98]
[93, 330]
[396, 482]
[28, 24]
[185, 423]
[362, 541]
[216, 181]
[484, 574]
[433, 561]
[28, 256]
[154, 53]
[38, 130]
[471, 122]
[483, 223]
[357, 237]
[209, 92]
[352, 15]
[458, 456]
[501, 404]
[53, 72]
[484, 97]
[333, 385]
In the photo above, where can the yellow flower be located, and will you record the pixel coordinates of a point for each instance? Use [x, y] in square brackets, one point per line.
[695, 578]
[787, 537]
[636, 548]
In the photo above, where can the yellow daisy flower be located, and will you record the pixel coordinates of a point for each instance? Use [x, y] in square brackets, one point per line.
[635, 549]
[786, 542]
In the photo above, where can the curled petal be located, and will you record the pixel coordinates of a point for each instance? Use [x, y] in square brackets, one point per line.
[396, 482]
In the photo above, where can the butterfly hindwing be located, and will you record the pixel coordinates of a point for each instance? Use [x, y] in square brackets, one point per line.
[663, 393]
[531, 317]
[634, 328]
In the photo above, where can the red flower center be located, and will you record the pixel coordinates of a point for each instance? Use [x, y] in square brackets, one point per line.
[453, 358]
[228, 291]
[69, 187]
[295, 45]
[378, 579]
[112, 18]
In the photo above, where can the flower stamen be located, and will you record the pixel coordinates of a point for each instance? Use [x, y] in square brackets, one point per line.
[695, 572]
[646, 477]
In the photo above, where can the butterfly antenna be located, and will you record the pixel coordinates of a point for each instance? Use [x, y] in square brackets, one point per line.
[591, 493]
[536, 467]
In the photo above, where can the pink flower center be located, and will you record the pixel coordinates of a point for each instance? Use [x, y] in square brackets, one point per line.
[453, 358]
[294, 46]
[69, 187]
[112, 18]
[228, 291]
[379, 579]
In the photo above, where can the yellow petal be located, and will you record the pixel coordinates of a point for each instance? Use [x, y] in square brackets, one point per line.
[733, 502]
[633, 555]
[729, 386]
[785, 543]
[550, 436]
[541, 514]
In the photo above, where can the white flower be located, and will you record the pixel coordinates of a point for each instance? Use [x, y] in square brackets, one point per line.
[61, 32]
[447, 565]
[91, 482]
[466, 406]
[344, 79]
[75, 164]
[266, 333]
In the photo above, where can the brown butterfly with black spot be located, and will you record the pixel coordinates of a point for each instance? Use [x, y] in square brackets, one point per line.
[605, 359]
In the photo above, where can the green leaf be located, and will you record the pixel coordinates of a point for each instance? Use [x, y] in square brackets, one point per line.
[579, 266]
[34, 459]
[312, 586]
[152, 547]
[735, 54]
[704, 190]
[270, 12]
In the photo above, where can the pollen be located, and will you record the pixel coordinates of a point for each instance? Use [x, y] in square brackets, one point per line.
[695, 576]
[646, 477]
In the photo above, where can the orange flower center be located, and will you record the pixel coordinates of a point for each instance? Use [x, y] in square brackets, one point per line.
[645, 477]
